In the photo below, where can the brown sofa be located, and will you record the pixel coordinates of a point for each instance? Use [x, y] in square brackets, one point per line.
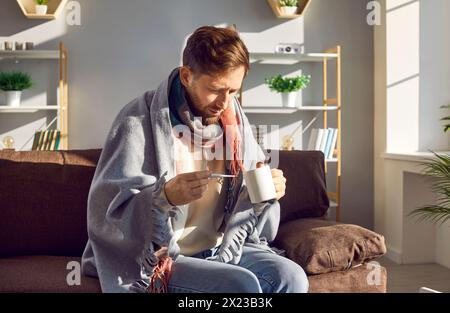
[43, 196]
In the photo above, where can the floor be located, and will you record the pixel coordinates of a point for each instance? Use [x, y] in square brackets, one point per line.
[410, 277]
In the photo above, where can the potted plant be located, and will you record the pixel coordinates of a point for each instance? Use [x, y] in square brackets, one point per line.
[288, 87]
[439, 169]
[289, 7]
[41, 7]
[12, 84]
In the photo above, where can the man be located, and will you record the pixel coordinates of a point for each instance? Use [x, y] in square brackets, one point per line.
[157, 220]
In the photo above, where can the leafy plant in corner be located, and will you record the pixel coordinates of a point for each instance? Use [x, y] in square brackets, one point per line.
[447, 118]
[15, 81]
[439, 169]
[288, 3]
[41, 2]
[288, 84]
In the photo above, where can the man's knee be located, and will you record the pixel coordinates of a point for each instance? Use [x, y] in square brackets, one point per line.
[242, 281]
[289, 277]
[299, 282]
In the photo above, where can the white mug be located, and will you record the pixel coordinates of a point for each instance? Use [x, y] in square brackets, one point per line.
[260, 184]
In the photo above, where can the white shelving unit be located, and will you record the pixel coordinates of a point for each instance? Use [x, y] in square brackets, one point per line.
[61, 109]
[328, 105]
[284, 110]
[284, 58]
[30, 55]
[28, 109]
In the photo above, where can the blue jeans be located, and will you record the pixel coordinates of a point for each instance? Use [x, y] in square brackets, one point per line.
[258, 271]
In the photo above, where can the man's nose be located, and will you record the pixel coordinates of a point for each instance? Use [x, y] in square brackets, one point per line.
[224, 100]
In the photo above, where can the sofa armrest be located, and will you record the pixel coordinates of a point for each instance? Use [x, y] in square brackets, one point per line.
[322, 246]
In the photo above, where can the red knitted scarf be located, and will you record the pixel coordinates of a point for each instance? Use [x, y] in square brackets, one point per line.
[230, 123]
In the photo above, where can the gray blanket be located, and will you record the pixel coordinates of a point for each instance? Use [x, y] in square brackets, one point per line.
[127, 217]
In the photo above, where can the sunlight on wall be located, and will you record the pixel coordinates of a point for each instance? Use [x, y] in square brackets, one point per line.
[393, 4]
[266, 40]
[403, 75]
[36, 100]
[23, 143]
[42, 33]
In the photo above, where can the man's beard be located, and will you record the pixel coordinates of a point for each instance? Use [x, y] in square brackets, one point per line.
[206, 120]
[212, 120]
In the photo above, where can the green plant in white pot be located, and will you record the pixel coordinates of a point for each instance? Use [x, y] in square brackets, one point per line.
[289, 7]
[41, 7]
[12, 83]
[289, 87]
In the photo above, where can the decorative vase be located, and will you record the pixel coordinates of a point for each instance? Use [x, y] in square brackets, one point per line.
[13, 98]
[8, 46]
[41, 9]
[19, 46]
[8, 143]
[289, 99]
[289, 10]
[288, 143]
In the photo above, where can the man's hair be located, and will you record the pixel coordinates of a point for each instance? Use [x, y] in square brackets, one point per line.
[213, 50]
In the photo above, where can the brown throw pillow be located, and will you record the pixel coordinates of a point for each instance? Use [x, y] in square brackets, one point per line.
[321, 246]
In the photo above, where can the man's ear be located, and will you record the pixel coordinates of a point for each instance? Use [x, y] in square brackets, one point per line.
[185, 76]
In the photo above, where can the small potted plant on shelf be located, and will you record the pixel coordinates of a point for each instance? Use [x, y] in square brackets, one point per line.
[12, 84]
[289, 7]
[288, 87]
[41, 7]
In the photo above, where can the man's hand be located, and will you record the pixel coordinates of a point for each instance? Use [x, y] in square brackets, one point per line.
[186, 188]
[278, 180]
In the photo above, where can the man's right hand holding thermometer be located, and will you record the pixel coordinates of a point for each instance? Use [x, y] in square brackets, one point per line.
[187, 187]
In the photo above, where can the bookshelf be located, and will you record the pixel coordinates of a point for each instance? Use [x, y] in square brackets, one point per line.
[327, 106]
[61, 109]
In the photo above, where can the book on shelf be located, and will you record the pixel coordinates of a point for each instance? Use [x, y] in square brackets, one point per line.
[324, 140]
[328, 147]
[47, 140]
[333, 148]
[40, 140]
[35, 141]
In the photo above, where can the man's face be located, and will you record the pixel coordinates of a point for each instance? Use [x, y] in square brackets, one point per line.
[210, 95]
